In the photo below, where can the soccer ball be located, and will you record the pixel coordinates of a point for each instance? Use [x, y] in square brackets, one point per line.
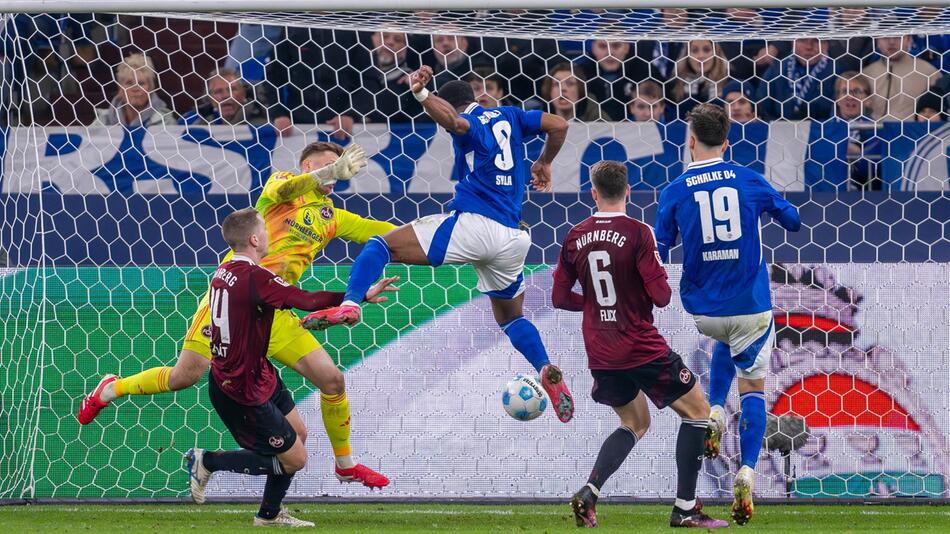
[523, 398]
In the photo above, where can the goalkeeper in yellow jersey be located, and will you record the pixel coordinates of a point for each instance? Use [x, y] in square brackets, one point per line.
[300, 220]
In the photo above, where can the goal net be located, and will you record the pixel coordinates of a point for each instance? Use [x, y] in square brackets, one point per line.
[128, 137]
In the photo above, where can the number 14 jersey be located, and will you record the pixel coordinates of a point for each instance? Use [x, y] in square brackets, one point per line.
[716, 206]
[614, 257]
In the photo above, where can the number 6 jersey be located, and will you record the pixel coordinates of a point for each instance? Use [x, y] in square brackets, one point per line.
[716, 206]
[615, 259]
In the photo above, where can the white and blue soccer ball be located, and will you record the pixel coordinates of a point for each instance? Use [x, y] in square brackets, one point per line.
[523, 398]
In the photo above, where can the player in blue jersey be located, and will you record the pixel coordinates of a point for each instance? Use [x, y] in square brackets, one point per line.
[484, 227]
[716, 207]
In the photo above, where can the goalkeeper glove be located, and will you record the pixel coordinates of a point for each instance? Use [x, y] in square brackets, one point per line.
[345, 167]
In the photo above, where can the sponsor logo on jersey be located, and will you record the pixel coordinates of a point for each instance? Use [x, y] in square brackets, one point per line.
[326, 212]
[302, 230]
[307, 217]
[206, 331]
[685, 376]
[276, 441]
[488, 115]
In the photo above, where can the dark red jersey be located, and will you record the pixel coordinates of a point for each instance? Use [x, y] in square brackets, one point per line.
[242, 299]
[614, 257]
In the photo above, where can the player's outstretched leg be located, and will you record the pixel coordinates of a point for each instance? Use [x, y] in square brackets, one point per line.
[722, 370]
[189, 368]
[751, 432]
[527, 340]
[634, 421]
[317, 367]
[400, 245]
[687, 510]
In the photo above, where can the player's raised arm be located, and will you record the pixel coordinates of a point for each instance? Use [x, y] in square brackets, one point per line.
[345, 167]
[555, 128]
[438, 108]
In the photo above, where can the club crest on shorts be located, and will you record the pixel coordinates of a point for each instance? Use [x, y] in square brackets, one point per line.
[206, 331]
[276, 441]
[326, 212]
[684, 376]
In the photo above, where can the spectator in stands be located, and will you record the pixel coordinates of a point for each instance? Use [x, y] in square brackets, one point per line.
[522, 63]
[226, 102]
[800, 86]
[607, 76]
[384, 94]
[454, 58]
[647, 103]
[741, 110]
[935, 49]
[252, 41]
[566, 94]
[701, 73]
[853, 53]
[899, 79]
[135, 104]
[489, 87]
[750, 58]
[852, 94]
[930, 108]
[311, 80]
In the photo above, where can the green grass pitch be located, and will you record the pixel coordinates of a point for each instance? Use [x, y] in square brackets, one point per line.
[400, 518]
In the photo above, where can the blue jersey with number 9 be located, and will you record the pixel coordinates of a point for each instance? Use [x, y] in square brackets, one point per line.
[717, 207]
[491, 162]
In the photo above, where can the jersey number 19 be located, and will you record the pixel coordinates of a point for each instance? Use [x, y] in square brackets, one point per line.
[724, 208]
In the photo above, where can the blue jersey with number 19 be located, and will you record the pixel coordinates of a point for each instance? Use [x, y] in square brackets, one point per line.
[717, 206]
[491, 162]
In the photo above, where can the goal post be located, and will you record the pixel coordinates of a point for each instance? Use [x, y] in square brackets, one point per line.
[111, 203]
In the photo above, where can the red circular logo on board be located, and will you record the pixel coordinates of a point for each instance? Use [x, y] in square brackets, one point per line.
[275, 441]
[684, 376]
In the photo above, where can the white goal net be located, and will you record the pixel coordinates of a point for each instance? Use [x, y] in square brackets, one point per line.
[126, 138]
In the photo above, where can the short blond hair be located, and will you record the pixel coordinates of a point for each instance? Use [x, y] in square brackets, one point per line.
[137, 64]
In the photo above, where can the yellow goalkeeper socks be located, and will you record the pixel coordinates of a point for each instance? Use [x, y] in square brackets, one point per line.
[336, 419]
[148, 382]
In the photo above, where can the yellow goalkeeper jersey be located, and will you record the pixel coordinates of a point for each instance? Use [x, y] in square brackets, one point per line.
[299, 228]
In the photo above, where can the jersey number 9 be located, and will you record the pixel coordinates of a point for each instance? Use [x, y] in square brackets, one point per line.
[502, 131]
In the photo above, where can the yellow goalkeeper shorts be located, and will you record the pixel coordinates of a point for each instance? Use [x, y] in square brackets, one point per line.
[288, 340]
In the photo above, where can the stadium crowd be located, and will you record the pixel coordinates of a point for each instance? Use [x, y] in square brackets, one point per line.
[86, 69]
